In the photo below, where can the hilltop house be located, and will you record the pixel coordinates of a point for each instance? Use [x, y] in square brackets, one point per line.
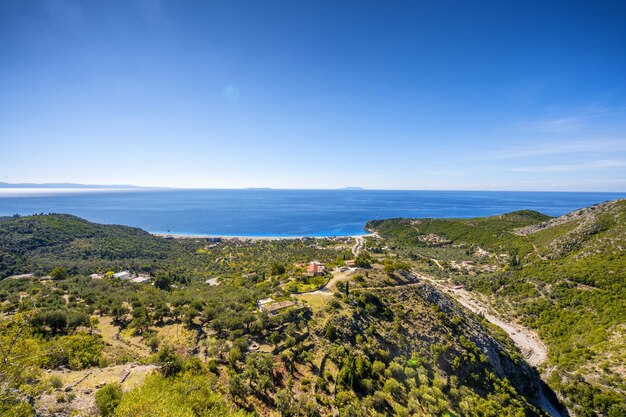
[315, 268]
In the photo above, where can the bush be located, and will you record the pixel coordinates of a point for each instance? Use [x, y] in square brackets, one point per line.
[108, 398]
[56, 382]
[59, 273]
[171, 364]
[77, 351]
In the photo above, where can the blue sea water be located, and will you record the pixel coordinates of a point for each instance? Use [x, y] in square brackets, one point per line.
[283, 212]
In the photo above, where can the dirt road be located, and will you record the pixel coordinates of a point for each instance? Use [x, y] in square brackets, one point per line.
[534, 350]
[328, 289]
[358, 245]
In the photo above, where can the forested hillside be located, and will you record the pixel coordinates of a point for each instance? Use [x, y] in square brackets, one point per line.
[564, 277]
[371, 340]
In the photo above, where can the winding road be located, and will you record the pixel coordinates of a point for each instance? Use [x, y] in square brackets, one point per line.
[358, 245]
[534, 350]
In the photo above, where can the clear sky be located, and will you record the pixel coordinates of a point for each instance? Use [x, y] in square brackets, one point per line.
[515, 95]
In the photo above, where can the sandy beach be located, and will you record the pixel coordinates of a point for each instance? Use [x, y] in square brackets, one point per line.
[253, 238]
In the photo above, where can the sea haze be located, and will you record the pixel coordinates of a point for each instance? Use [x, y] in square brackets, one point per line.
[261, 212]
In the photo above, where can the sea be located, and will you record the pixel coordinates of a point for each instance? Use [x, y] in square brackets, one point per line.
[279, 213]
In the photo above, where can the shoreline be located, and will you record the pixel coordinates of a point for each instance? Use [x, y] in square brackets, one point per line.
[254, 238]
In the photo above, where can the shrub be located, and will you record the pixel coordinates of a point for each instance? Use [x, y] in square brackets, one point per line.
[56, 382]
[108, 398]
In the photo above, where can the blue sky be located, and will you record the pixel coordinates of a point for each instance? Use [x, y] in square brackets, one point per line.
[498, 95]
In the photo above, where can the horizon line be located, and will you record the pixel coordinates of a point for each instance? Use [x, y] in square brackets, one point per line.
[129, 187]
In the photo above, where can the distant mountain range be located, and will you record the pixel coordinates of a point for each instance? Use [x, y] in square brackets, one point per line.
[63, 185]
[72, 185]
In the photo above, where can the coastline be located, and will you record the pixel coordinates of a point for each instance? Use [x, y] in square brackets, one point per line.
[254, 238]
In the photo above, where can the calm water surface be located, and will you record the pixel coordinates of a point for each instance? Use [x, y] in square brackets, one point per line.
[282, 212]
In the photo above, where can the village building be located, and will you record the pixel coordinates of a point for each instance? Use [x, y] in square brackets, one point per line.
[122, 275]
[274, 308]
[263, 302]
[141, 279]
[350, 264]
[96, 276]
[315, 268]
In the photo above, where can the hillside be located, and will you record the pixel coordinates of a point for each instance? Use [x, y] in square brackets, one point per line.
[36, 244]
[564, 277]
[386, 345]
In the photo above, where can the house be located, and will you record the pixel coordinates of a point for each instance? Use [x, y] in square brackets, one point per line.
[96, 276]
[315, 268]
[122, 275]
[350, 263]
[141, 279]
[250, 275]
[263, 302]
[273, 308]
[212, 282]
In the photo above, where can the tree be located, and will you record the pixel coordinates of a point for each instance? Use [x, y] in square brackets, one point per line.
[77, 318]
[162, 282]
[141, 319]
[20, 372]
[331, 332]
[93, 323]
[277, 269]
[58, 273]
[393, 387]
[259, 370]
[55, 320]
[234, 355]
[362, 261]
[118, 311]
[171, 364]
[108, 398]
[236, 387]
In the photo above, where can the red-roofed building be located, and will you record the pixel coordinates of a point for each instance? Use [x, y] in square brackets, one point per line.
[315, 268]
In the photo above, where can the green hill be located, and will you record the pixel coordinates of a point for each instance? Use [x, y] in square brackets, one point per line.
[565, 277]
[381, 347]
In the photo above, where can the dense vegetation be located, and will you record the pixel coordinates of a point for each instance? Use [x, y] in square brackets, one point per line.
[181, 347]
[565, 277]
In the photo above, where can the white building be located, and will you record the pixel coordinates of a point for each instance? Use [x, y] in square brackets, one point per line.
[122, 275]
[264, 302]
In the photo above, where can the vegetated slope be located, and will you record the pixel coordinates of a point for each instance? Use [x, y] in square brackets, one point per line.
[565, 277]
[492, 232]
[410, 350]
[388, 350]
[37, 244]
[34, 244]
